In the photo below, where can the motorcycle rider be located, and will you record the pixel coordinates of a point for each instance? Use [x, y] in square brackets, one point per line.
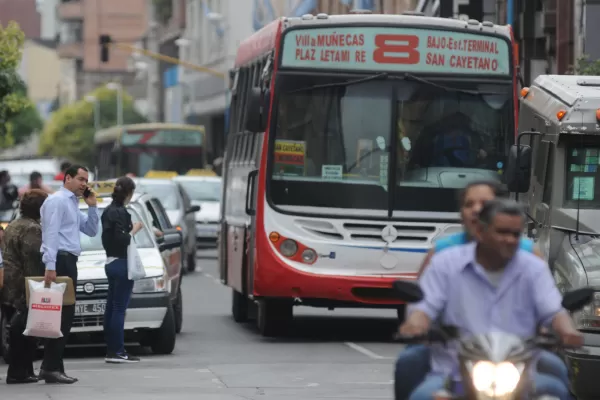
[413, 363]
[489, 284]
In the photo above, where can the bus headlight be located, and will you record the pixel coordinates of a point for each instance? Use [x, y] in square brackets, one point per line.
[288, 247]
[151, 285]
[309, 256]
[495, 379]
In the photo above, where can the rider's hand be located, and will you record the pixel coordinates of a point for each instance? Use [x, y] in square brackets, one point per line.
[572, 338]
[417, 324]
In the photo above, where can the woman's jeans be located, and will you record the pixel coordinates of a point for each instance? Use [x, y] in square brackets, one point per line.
[412, 367]
[119, 294]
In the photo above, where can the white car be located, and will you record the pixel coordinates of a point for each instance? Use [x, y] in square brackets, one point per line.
[155, 312]
[204, 191]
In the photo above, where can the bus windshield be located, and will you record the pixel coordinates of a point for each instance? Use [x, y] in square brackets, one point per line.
[385, 146]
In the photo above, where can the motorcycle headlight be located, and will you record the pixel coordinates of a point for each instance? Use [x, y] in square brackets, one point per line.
[495, 379]
[151, 285]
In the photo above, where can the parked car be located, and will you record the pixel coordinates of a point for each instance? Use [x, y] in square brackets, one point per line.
[205, 192]
[179, 210]
[155, 313]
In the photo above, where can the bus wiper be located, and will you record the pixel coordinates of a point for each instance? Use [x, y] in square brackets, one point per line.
[342, 84]
[409, 76]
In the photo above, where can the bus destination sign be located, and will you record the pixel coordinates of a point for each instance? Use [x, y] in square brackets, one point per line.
[396, 50]
[166, 138]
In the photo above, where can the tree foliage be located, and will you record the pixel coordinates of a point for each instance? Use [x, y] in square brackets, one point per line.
[12, 100]
[70, 131]
[585, 66]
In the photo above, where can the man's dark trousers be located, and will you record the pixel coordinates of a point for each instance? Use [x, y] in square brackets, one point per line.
[66, 265]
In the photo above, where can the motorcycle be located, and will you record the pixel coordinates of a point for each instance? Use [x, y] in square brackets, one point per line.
[494, 365]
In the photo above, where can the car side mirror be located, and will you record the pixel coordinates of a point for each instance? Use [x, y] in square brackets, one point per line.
[575, 300]
[257, 110]
[518, 170]
[193, 209]
[408, 291]
[172, 239]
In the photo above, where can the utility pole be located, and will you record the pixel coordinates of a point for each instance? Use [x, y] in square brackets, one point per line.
[153, 65]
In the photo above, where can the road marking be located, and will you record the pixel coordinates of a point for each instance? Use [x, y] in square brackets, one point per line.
[366, 351]
[216, 280]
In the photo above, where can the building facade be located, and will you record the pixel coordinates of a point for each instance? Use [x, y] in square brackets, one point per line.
[24, 12]
[82, 22]
[40, 70]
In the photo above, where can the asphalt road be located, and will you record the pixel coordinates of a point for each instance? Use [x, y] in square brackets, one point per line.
[340, 354]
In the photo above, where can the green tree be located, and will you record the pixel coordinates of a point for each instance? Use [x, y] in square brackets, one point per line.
[585, 66]
[21, 125]
[12, 101]
[70, 131]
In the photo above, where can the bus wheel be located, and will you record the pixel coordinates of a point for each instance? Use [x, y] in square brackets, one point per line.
[239, 306]
[274, 317]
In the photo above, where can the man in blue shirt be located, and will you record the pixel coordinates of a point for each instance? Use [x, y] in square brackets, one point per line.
[488, 285]
[61, 222]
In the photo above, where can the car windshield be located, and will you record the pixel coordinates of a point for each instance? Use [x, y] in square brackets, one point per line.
[202, 190]
[142, 238]
[167, 193]
[383, 147]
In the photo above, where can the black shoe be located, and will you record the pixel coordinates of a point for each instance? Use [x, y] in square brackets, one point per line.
[121, 359]
[56, 377]
[15, 381]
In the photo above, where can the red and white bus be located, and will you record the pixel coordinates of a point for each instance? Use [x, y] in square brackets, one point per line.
[350, 136]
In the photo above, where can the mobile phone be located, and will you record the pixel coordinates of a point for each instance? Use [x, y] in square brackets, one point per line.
[87, 192]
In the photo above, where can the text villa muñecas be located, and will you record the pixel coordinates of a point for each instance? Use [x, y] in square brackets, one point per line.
[309, 48]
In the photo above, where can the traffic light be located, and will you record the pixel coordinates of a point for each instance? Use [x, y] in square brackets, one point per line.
[105, 40]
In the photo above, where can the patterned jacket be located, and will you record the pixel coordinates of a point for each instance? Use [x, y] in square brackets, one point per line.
[22, 258]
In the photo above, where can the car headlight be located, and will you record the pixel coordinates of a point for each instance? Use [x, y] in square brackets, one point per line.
[589, 316]
[495, 379]
[309, 256]
[151, 285]
[288, 247]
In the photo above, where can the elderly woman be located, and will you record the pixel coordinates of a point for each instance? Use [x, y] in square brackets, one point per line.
[22, 258]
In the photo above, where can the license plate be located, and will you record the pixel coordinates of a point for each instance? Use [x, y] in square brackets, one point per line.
[90, 308]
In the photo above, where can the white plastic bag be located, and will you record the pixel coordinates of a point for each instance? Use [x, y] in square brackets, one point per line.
[45, 310]
[135, 268]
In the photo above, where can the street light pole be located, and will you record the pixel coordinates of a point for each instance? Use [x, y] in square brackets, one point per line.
[94, 100]
[119, 88]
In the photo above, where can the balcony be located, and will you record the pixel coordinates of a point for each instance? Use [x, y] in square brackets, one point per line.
[70, 50]
[70, 10]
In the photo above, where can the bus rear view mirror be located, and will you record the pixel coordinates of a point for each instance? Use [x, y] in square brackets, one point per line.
[256, 112]
[518, 170]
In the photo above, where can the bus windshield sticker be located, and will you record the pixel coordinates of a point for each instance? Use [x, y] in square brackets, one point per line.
[332, 172]
[290, 157]
[383, 170]
[583, 188]
[396, 49]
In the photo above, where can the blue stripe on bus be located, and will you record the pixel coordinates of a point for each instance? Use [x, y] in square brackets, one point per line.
[402, 250]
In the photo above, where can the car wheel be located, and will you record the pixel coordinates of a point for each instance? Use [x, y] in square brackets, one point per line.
[178, 309]
[191, 261]
[274, 317]
[239, 306]
[4, 337]
[162, 340]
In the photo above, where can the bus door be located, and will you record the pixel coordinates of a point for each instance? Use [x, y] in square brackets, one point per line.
[252, 201]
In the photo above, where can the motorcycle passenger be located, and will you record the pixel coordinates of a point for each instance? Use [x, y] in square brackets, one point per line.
[413, 363]
[489, 284]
